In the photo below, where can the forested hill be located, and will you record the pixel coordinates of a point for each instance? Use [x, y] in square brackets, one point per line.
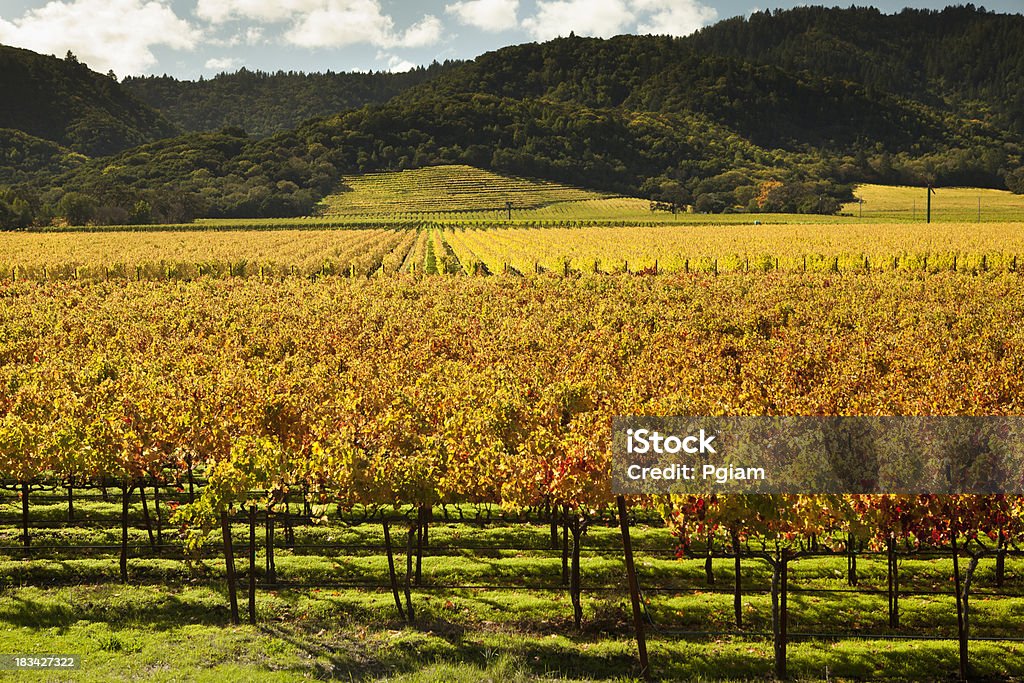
[264, 103]
[64, 102]
[707, 119]
[960, 58]
[769, 106]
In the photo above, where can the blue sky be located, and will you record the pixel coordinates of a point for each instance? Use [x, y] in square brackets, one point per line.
[189, 38]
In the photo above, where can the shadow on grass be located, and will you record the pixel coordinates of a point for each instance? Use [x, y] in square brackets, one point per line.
[436, 642]
[167, 612]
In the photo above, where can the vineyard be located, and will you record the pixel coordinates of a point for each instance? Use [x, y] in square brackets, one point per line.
[381, 436]
[244, 432]
[457, 249]
[444, 189]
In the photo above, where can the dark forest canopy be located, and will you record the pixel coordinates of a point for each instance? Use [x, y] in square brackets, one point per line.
[263, 103]
[961, 59]
[815, 98]
[62, 101]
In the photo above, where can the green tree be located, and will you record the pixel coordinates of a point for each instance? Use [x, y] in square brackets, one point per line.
[141, 213]
[76, 208]
[1015, 181]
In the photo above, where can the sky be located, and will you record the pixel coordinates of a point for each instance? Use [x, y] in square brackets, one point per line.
[190, 38]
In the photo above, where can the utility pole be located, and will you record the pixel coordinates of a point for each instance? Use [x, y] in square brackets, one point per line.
[508, 207]
[931, 191]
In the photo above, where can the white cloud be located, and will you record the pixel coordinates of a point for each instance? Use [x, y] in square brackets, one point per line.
[219, 11]
[606, 18]
[326, 23]
[253, 35]
[426, 32]
[488, 15]
[673, 17]
[107, 35]
[337, 23]
[222, 63]
[602, 18]
[395, 63]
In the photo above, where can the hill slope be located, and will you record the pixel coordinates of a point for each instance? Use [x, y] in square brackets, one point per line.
[445, 188]
[62, 101]
[265, 103]
[772, 106]
[23, 155]
[959, 59]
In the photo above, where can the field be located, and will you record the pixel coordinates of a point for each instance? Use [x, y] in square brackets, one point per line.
[477, 617]
[450, 376]
[949, 204]
[446, 188]
[523, 251]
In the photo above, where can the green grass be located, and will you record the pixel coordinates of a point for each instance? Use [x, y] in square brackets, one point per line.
[949, 204]
[171, 622]
[443, 189]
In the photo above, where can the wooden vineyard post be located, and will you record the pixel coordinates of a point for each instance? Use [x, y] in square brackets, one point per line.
[145, 514]
[737, 596]
[961, 622]
[159, 515]
[634, 589]
[780, 610]
[126, 491]
[229, 565]
[565, 546]
[574, 584]
[289, 528]
[408, 573]
[391, 570]
[894, 583]
[191, 481]
[252, 564]
[851, 560]
[25, 538]
[71, 499]
[420, 523]
[709, 567]
[271, 570]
